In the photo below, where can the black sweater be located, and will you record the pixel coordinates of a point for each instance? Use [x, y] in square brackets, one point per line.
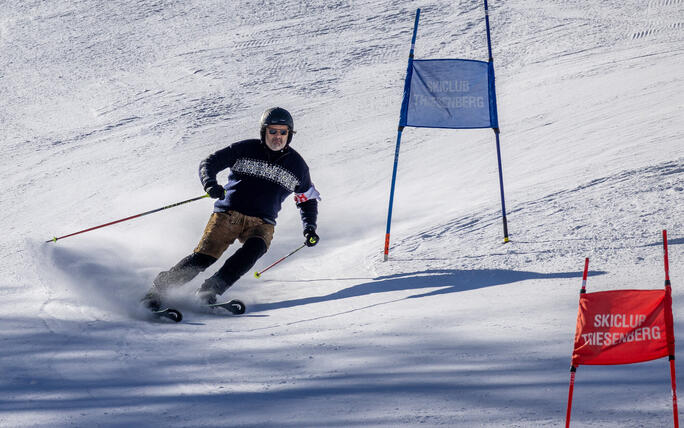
[260, 180]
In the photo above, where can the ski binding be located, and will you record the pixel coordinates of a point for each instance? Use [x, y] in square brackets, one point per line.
[236, 307]
[173, 314]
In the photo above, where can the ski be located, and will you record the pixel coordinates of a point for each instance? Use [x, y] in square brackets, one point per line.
[172, 314]
[236, 307]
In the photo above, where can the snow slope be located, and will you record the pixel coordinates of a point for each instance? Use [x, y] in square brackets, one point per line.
[108, 107]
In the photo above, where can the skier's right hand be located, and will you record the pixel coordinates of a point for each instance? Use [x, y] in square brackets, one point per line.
[216, 191]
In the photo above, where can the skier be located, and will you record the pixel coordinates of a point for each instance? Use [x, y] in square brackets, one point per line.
[262, 175]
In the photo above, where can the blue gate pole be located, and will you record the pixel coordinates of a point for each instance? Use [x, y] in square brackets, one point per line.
[391, 199]
[402, 118]
[496, 123]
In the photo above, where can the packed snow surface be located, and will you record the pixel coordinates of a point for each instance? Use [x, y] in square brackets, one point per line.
[108, 108]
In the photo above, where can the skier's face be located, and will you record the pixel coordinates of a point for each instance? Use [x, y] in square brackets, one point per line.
[275, 140]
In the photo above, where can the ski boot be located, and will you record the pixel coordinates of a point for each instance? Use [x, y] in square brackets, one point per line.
[152, 300]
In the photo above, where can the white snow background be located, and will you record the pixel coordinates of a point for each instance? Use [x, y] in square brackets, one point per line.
[107, 108]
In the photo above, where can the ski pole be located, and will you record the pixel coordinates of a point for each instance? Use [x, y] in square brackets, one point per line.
[258, 274]
[128, 218]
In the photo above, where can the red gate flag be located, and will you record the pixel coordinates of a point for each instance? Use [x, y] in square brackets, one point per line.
[623, 327]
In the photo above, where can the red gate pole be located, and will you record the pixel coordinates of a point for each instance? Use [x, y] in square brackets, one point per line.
[573, 369]
[670, 332]
[673, 376]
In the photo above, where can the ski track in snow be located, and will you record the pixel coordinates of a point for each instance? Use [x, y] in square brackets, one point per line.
[109, 107]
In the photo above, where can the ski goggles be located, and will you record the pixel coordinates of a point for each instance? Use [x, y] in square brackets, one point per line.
[275, 131]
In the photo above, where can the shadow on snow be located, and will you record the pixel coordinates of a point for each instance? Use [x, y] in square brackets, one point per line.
[447, 280]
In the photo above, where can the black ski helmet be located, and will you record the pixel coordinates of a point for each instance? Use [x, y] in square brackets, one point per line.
[276, 116]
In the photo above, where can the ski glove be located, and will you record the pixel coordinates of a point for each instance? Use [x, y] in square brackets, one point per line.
[311, 237]
[216, 191]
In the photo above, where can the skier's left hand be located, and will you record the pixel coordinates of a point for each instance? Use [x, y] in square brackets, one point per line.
[311, 237]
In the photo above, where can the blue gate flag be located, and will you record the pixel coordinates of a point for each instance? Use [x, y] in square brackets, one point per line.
[450, 93]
